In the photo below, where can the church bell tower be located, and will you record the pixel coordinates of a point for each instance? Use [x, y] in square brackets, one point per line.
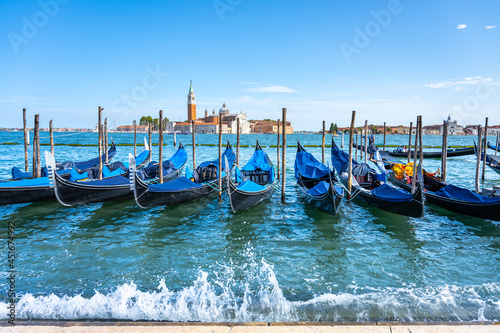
[191, 104]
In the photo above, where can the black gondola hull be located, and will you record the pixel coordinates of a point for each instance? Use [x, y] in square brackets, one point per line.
[428, 154]
[242, 200]
[485, 211]
[414, 208]
[18, 195]
[71, 193]
[328, 202]
[147, 199]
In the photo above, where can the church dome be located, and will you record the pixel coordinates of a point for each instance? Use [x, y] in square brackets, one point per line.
[224, 110]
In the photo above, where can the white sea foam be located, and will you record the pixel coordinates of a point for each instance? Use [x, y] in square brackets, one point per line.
[260, 298]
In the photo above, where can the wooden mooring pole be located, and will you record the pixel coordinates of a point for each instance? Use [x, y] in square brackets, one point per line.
[278, 150]
[414, 178]
[238, 141]
[385, 133]
[135, 138]
[193, 130]
[366, 141]
[106, 157]
[36, 148]
[283, 161]
[175, 139]
[160, 143]
[409, 143]
[478, 160]
[150, 142]
[219, 172]
[444, 151]
[349, 171]
[356, 152]
[342, 141]
[420, 149]
[26, 142]
[99, 139]
[51, 134]
[323, 145]
[484, 148]
[496, 145]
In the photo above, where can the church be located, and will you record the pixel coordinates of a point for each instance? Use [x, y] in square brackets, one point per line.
[209, 124]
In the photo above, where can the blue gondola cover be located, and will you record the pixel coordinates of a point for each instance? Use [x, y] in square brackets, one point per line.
[75, 176]
[392, 194]
[259, 160]
[43, 181]
[454, 192]
[340, 159]
[231, 157]
[250, 186]
[320, 189]
[176, 185]
[308, 166]
[118, 180]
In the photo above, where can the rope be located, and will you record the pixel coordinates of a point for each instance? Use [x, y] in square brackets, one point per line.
[45, 137]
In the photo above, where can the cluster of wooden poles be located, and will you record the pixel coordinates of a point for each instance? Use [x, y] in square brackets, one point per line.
[418, 143]
[103, 129]
[103, 144]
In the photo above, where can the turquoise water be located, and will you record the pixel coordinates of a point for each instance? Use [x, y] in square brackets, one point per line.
[276, 262]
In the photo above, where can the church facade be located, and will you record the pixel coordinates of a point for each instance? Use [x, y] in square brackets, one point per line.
[209, 124]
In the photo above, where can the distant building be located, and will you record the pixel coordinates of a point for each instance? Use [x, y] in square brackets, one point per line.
[268, 127]
[130, 128]
[470, 130]
[432, 129]
[453, 128]
[210, 123]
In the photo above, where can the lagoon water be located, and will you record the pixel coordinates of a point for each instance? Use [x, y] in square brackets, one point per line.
[275, 262]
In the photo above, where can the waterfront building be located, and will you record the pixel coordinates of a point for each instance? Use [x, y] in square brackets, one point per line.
[209, 124]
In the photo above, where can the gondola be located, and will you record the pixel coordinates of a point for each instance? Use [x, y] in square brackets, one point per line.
[253, 183]
[372, 188]
[317, 182]
[27, 190]
[493, 161]
[193, 186]
[451, 197]
[65, 167]
[493, 147]
[116, 186]
[398, 152]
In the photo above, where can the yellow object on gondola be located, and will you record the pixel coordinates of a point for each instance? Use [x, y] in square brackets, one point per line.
[401, 170]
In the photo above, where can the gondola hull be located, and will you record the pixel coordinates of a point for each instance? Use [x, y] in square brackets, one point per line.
[428, 154]
[26, 194]
[485, 211]
[328, 202]
[71, 193]
[414, 208]
[243, 200]
[147, 199]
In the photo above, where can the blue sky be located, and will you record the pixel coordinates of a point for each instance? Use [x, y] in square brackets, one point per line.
[388, 60]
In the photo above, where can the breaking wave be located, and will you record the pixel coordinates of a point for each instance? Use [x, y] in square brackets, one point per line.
[223, 297]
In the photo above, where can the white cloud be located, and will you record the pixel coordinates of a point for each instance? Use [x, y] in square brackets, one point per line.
[460, 84]
[490, 27]
[272, 89]
[461, 26]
